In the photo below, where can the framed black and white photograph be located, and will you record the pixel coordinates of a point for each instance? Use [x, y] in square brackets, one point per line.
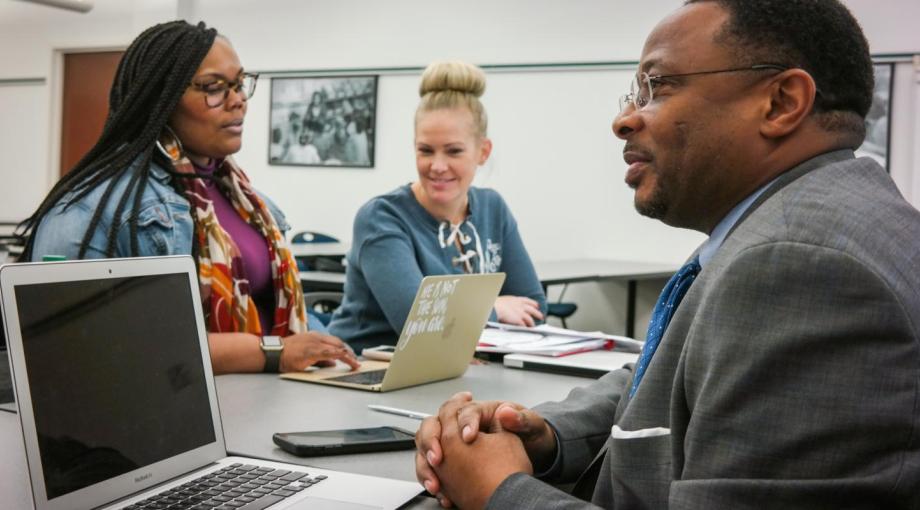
[878, 121]
[323, 121]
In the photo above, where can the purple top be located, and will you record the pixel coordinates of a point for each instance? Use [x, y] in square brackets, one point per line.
[253, 249]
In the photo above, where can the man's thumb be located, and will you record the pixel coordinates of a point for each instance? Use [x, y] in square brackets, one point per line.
[511, 419]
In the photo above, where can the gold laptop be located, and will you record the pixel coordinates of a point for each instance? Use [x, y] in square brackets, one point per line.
[437, 341]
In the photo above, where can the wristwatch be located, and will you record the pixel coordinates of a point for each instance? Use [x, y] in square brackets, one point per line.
[272, 345]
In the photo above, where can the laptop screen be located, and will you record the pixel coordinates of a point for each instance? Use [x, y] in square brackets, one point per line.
[116, 375]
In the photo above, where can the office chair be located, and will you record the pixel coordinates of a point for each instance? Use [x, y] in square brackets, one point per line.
[560, 309]
[321, 304]
[312, 237]
[317, 263]
[11, 243]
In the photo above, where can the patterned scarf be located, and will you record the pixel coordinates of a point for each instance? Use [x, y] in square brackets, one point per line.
[225, 291]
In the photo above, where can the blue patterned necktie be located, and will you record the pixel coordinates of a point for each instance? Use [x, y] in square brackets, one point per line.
[667, 304]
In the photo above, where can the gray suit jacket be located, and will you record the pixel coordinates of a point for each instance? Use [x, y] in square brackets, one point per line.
[789, 376]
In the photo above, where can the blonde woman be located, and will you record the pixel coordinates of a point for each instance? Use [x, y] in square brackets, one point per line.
[439, 224]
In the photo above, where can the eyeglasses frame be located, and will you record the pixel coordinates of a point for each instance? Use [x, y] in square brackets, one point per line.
[631, 97]
[236, 85]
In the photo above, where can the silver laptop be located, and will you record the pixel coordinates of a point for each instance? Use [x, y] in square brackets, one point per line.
[438, 338]
[117, 402]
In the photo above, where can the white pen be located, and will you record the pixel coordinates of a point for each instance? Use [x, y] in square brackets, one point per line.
[399, 412]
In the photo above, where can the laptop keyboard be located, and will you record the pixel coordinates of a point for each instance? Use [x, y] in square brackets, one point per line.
[236, 487]
[369, 377]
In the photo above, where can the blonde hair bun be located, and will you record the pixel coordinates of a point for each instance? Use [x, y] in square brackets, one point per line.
[453, 75]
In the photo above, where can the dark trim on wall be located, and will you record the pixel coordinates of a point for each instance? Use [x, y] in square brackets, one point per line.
[536, 66]
[22, 81]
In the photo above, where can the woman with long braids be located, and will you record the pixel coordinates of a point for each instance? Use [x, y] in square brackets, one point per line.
[160, 181]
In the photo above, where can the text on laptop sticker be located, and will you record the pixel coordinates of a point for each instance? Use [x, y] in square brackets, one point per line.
[432, 308]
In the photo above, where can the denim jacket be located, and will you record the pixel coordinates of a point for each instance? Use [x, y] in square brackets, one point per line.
[164, 223]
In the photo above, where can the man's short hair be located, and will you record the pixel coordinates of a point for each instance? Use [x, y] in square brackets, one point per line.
[819, 36]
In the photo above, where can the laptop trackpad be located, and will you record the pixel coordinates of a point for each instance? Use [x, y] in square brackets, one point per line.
[328, 504]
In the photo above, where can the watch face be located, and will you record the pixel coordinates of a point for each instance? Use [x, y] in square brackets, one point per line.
[271, 341]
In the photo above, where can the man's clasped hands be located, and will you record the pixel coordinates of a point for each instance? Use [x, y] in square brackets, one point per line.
[469, 448]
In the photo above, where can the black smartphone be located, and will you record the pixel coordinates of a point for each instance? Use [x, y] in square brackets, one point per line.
[338, 442]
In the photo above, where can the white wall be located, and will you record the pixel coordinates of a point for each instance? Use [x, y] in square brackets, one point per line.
[555, 161]
[905, 130]
[361, 33]
[22, 103]
[31, 38]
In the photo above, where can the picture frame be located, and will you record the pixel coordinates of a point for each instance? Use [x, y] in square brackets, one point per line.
[323, 121]
[877, 144]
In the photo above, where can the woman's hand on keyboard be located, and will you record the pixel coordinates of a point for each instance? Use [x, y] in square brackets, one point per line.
[303, 350]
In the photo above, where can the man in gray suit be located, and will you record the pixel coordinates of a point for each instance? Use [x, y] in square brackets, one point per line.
[787, 368]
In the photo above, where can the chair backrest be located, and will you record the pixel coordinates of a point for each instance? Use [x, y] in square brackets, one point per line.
[11, 244]
[317, 262]
[312, 237]
[321, 304]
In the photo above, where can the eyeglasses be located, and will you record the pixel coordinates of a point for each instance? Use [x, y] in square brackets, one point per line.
[217, 90]
[642, 86]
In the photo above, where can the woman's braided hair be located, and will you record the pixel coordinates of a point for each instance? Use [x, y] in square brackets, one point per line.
[151, 79]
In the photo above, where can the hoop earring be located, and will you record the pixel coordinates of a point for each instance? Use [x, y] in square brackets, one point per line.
[169, 144]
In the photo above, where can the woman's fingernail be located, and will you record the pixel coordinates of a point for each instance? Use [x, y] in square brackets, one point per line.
[430, 457]
[467, 431]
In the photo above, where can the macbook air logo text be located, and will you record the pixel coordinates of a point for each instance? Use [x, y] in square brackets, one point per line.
[138, 479]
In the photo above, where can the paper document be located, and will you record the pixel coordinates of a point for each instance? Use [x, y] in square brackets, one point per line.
[497, 337]
[549, 340]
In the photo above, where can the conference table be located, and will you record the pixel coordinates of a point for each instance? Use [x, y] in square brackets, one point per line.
[551, 272]
[254, 406]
